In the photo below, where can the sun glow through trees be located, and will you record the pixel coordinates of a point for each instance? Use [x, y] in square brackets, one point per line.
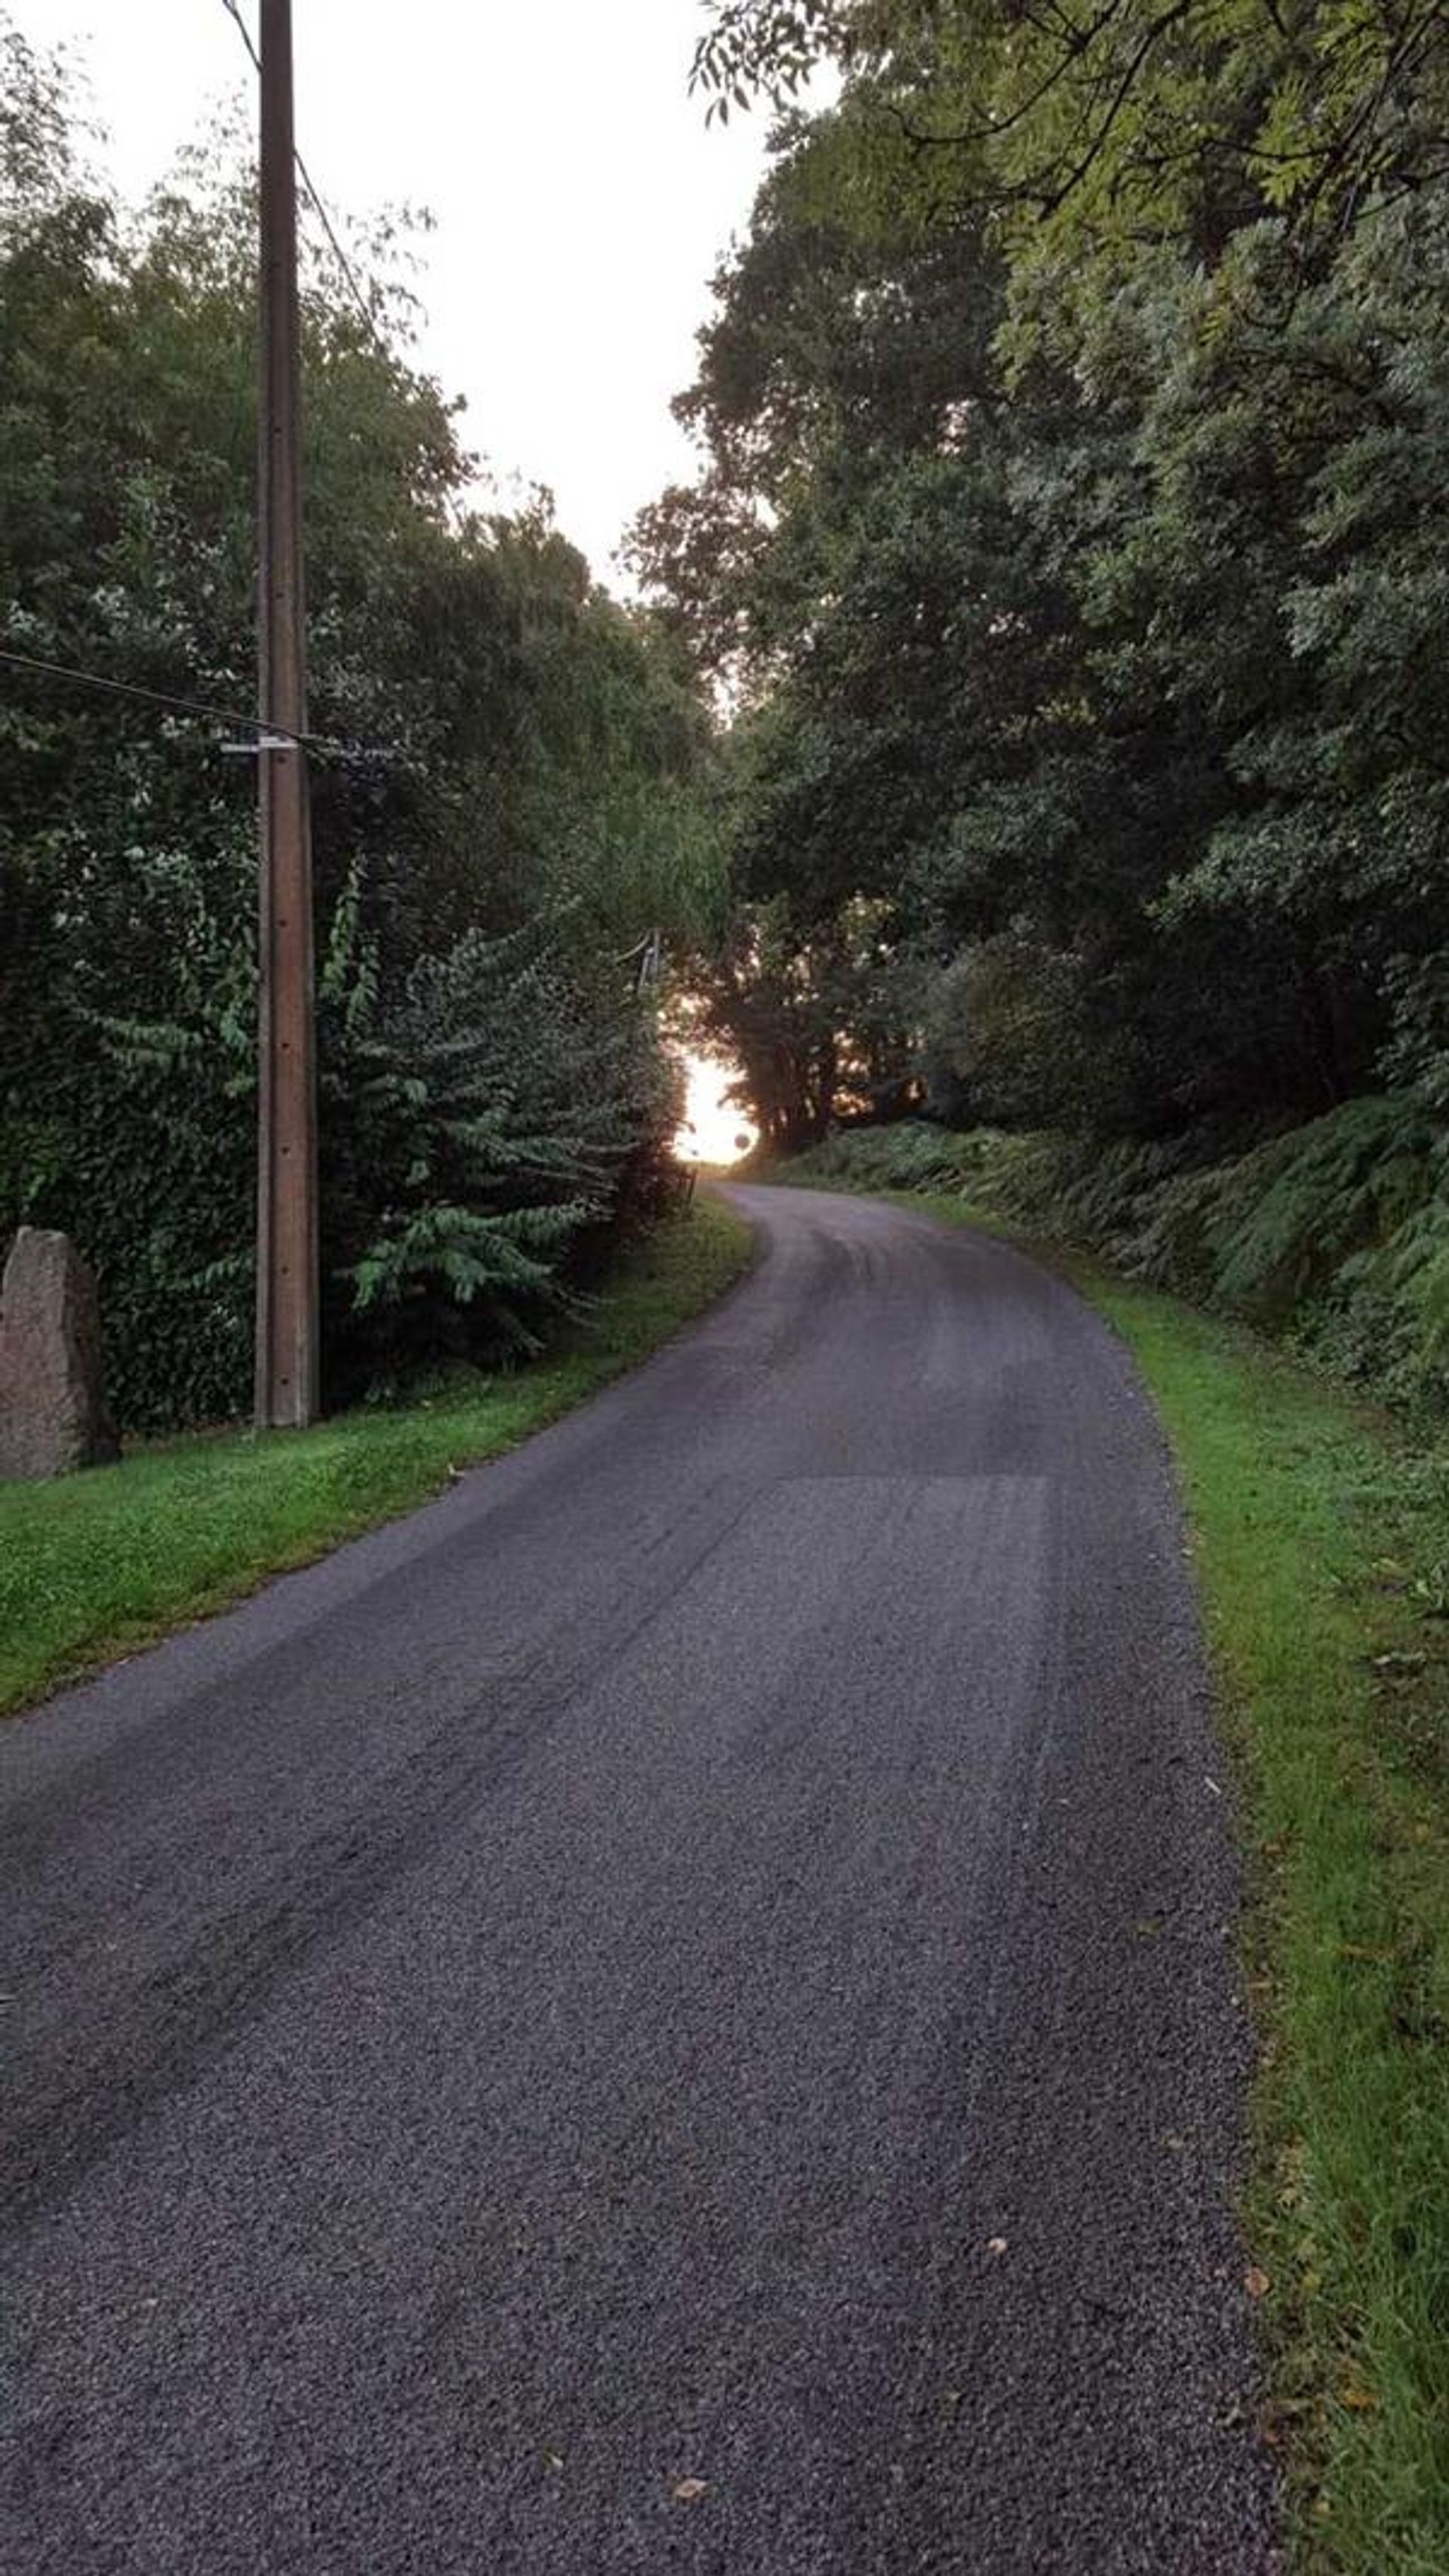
[715, 1129]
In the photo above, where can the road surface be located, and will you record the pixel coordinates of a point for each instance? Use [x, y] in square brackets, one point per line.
[673, 2010]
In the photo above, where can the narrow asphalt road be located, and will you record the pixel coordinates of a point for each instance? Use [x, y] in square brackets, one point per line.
[672, 2011]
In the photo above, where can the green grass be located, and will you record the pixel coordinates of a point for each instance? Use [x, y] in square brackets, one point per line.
[1322, 1548]
[97, 1564]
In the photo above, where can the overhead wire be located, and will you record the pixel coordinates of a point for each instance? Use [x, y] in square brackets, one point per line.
[172, 699]
[364, 307]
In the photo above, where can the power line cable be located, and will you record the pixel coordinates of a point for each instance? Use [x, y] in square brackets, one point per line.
[233, 11]
[359, 299]
[169, 698]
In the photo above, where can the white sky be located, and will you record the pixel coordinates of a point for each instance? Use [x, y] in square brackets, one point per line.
[581, 204]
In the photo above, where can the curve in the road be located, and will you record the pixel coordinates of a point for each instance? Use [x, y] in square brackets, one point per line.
[674, 2010]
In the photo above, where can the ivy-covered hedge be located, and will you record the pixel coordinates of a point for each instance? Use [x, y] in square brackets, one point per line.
[476, 1133]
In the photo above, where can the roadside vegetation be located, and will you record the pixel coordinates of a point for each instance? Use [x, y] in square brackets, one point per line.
[99, 1564]
[1322, 1550]
[510, 803]
[1320, 1531]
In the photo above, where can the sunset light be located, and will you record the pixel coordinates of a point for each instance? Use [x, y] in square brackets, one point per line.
[715, 1128]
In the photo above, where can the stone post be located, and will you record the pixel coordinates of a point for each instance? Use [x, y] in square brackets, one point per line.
[52, 1410]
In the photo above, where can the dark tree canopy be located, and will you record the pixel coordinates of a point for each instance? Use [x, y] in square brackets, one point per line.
[1067, 543]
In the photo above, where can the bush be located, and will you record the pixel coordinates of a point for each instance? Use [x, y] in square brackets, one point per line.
[476, 1133]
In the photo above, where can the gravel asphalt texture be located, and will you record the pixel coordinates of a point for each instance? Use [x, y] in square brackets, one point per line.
[674, 2010]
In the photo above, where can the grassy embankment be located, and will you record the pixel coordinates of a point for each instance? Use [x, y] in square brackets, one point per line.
[98, 1564]
[1321, 1539]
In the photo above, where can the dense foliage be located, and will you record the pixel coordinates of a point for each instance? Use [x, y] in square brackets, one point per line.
[1069, 544]
[509, 796]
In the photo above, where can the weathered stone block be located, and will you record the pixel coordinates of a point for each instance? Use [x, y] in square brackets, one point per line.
[52, 1409]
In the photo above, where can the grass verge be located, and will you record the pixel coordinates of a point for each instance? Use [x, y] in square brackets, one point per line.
[1320, 1547]
[1321, 1542]
[98, 1564]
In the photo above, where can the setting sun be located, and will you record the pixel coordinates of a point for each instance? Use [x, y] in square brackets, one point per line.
[715, 1128]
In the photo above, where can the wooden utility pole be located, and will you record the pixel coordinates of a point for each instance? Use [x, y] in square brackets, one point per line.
[286, 1334]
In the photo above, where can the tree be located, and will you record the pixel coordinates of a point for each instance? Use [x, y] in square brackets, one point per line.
[507, 755]
[1066, 534]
